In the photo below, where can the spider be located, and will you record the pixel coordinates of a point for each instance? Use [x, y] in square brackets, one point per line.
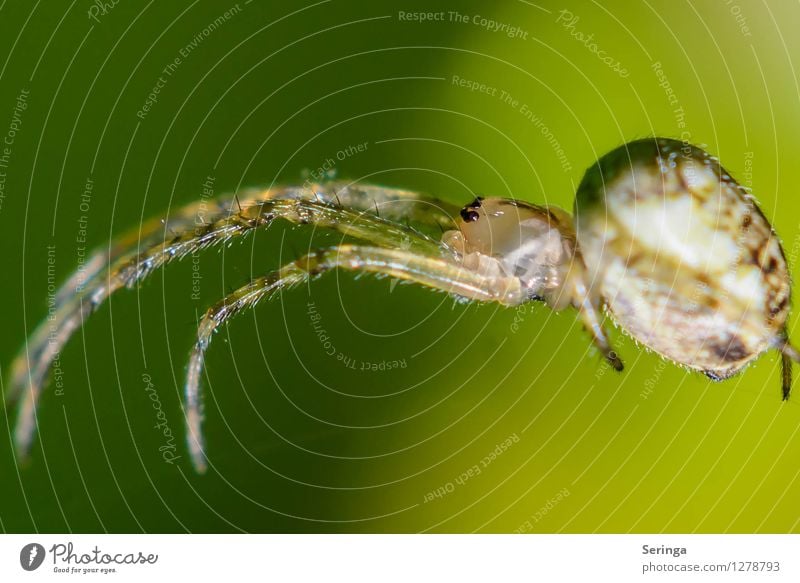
[662, 238]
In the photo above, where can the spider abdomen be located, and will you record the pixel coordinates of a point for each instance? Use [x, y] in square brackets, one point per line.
[682, 256]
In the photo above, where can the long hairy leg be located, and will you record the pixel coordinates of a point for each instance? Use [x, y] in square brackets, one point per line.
[223, 220]
[433, 272]
[391, 203]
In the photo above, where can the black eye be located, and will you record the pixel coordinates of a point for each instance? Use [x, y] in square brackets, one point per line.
[469, 215]
[475, 204]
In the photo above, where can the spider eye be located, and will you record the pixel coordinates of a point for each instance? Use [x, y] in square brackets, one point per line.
[469, 215]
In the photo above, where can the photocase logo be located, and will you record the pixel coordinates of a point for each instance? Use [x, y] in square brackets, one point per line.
[31, 556]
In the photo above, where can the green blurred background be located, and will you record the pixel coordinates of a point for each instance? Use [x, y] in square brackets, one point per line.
[298, 442]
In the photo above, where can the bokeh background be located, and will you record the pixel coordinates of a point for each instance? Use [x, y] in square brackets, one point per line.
[298, 440]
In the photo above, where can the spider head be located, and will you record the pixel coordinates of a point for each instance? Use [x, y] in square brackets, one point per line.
[508, 238]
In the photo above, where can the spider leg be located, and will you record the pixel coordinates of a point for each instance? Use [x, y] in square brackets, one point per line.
[786, 375]
[397, 204]
[433, 272]
[788, 354]
[133, 258]
[589, 311]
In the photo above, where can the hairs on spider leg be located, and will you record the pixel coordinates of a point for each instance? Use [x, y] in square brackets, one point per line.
[788, 354]
[786, 382]
[134, 256]
[429, 271]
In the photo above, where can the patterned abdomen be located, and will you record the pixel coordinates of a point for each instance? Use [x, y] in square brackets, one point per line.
[683, 258]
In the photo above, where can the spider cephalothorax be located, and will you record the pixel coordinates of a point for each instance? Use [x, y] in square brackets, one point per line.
[630, 250]
[510, 238]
